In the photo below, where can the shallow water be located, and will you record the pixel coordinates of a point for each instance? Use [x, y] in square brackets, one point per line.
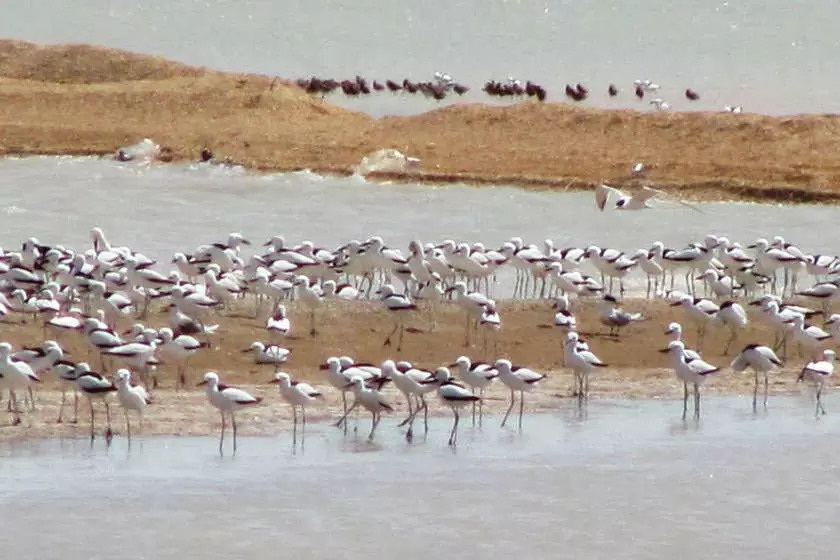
[163, 209]
[771, 56]
[630, 480]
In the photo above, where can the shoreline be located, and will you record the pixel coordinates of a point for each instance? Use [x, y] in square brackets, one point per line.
[84, 100]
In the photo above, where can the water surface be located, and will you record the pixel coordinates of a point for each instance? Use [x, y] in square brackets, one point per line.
[630, 481]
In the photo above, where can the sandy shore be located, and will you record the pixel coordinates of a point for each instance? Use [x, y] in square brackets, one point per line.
[358, 329]
[90, 100]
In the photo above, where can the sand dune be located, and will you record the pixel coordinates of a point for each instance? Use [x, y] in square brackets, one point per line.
[78, 99]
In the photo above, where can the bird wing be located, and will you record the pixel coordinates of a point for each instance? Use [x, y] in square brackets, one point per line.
[602, 194]
[649, 193]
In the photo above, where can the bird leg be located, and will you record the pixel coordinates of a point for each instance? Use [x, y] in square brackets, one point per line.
[108, 433]
[222, 434]
[521, 407]
[452, 436]
[509, 408]
[233, 424]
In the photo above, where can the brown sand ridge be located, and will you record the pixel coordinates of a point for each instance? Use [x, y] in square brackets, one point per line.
[78, 99]
[357, 329]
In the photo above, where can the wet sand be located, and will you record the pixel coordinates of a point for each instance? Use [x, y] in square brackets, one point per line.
[90, 100]
[358, 329]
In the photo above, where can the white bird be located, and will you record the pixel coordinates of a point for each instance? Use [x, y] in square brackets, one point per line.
[817, 372]
[298, 395]
[268, 353]
[456, 397]
[478, 376]
[732, 316]
[639, 201]
[131, 397]
[397, 305]
[178, 349]
[810, 336]
[14, 375]
[701, 311]
[688, 371]
[370, 399]
[278, 324]
[95, 387]
[227, 400]
[582, 361]
[519, 379]
[762, 360]
[674, 332]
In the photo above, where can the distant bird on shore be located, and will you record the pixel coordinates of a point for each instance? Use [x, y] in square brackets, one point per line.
[660, 104]
[691, 95]
[640, 93]
[612, 90]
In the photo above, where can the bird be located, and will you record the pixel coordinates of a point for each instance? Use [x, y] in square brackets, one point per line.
[478, 376]
[733, 316]
[227, 400]
[817, 372]
[278, 324]
[179, 349]
[762, 360]
[95, 387]
[517, 378]
[582, 361]
[691, 95]
[298, 395]
[14, 375]
[268, 353]
[613, 316]
[639, 201]
[692, 372]
[131, 397]
[370, 399]
[397, 305]
[456, 397]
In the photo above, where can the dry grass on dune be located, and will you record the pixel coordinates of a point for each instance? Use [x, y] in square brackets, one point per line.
[358, 329]
[78, 99]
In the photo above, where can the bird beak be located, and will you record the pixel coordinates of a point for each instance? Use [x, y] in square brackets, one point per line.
[323, 367]
[755, 303]
[452, 365]
[201, 383]
[246, 350]
[267, 243]
[274, 381]
[676, 304]
[664, 350]
[245, 241]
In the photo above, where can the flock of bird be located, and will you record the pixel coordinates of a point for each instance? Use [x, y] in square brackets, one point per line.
[93, 293]
[443, 85]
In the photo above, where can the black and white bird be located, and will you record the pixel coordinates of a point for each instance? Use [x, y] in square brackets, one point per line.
[818, 372]
[762, 360]
[455, 397]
